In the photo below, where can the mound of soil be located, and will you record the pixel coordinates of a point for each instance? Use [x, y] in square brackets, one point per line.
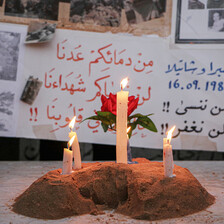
[138, 190]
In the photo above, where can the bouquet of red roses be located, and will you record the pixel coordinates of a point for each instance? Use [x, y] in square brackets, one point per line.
[107, 115]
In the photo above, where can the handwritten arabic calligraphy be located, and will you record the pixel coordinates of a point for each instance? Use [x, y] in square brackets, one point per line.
[98, 93]
[189, 129]
[84, 72]
[214, 110]
[110, 56]
[191, 67]
[107, 55]
[59, 120]
[61, 84]
[215, 133]
[74, 83]
[74, 55]
[185, 109]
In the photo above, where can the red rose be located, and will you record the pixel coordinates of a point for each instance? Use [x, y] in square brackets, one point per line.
[110, 104]
[132, 104]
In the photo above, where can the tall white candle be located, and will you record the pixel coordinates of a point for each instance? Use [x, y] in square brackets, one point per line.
[67, 161]
[167, 159]
[128, 147]
[75, 145]
[121, 125]
[76, 151]
[168, 155]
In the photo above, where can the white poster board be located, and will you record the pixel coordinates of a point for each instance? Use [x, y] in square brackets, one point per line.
[181, 87]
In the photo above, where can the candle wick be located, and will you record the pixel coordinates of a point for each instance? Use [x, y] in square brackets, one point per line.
[70, 148]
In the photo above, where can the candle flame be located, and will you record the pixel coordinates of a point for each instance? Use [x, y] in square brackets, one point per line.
[128, 129]
[170, 132]
[124, 82]
[72, 123]
[71, 141]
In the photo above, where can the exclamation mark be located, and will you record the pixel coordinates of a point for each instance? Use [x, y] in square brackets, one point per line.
[167, 126]
[166, 106]
[164, 128]
[35, 109]
[31, 113]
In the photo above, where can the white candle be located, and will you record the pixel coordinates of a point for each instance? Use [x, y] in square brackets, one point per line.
[128, 147]
[75, 146]
[167, 159]
[67, 161]
[121, 125]
[168, 155]
[76, 151]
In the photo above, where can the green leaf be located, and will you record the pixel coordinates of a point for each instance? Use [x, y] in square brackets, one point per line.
[133, 125]
[138, 116]
[147, 123]
[104, 126]
[96, 117]
[108, 120]
[107, 117]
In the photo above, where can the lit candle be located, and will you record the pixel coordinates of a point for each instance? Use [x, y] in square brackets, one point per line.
[67, 159]
[168, 155]
[121, 123]
[75, 146]
[128, 147]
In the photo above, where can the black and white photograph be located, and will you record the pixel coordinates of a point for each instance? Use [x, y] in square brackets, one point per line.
[42, 9]
[9, 54]
[198, 26]
[215, 4]
[6, 110]
[96, 12]
[216, 20]
[31, 90]
[40, 32]
[195, 4]
[138, 11]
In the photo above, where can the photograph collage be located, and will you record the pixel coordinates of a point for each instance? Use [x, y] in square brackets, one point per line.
[100, 12]
[106, 15]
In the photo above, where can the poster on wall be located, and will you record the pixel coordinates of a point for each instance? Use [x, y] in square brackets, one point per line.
[11, 55]
[200, 22]
[182, 88]
[179, 88]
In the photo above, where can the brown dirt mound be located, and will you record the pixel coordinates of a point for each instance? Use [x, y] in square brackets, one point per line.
[137, 190]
